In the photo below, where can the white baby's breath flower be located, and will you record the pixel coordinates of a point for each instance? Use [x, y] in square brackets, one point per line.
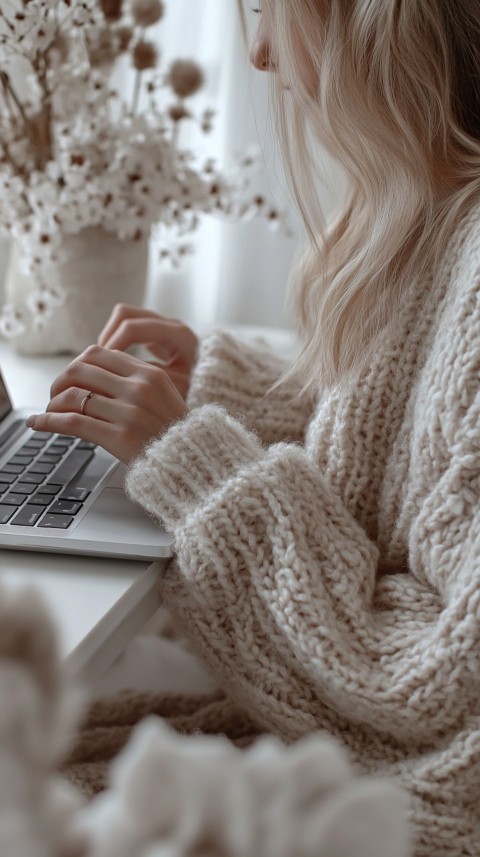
[12, 323]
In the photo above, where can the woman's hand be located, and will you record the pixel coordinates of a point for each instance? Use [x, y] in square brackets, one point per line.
[132, 402]
[171, 342]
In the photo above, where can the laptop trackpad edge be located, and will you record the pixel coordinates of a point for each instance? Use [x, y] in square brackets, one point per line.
[113, 517]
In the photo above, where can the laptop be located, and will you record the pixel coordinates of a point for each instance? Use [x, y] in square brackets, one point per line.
[64, 495]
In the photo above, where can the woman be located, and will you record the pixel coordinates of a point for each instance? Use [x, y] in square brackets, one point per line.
[327, 545]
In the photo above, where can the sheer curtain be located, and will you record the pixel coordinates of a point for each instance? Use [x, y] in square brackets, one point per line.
[238, 272]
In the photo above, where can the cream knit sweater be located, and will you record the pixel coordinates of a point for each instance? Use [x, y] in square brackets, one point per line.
[328, 557]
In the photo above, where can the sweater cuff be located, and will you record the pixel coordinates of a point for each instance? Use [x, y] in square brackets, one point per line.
[194, 458]
[234, 373]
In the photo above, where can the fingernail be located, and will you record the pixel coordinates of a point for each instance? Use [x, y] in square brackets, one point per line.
[31, 420]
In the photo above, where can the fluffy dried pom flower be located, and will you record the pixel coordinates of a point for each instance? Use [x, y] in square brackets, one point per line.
[105, 51]
[177, 112]
[124, 36]
[145, 55]
[185, 78]
[112, 9]
[147, 12]
[38, 129]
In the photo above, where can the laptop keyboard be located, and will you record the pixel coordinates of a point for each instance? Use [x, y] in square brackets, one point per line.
[38, 484]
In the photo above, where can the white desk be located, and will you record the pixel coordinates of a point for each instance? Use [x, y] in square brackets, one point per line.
[99, 604]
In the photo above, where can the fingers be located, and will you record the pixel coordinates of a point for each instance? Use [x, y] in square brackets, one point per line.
[125, 411]
[76, 425]
[97, 369]
[161, 335]
[120, 313]
[99, 407]
[118, 426]
[168, 339]
[91, 378]
[180, 379]
[127, 381]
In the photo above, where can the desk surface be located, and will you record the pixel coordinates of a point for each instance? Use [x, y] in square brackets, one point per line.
[98, 603]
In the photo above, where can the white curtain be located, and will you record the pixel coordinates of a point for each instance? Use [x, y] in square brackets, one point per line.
[238, 272]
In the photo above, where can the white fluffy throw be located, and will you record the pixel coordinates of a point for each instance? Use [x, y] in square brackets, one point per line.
[170, 795]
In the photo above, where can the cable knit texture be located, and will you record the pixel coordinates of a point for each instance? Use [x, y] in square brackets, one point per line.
[241, 378]
[328, 558]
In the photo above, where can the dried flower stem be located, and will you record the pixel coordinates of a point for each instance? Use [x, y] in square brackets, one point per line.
[136, 93]
[7, 22]
[40, 68]
[11, 94]
[8, 105]
[17, 169]
[137, 86]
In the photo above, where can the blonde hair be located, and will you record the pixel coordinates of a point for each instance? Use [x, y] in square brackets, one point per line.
[398, 106]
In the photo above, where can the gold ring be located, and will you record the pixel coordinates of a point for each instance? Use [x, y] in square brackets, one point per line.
[84, 402]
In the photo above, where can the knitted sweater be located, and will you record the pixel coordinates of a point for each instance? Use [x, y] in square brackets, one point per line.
[328, 554]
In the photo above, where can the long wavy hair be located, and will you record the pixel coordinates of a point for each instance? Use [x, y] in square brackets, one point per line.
[397, 104]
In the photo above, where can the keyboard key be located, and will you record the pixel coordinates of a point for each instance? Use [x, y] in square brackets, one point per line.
[40, 499]
[58, 522]
[64, 439]
[72, 465]
[42, 435]
[14, 468]
[50, 488]
[28, 516]
[49, 459]
[14, 499]
[41, 468]
[65, 507]
[29, 448]
[33, 478]
[7, 477]
[86, 444]
[35, 444]
[21, 459]
[77, 493]
[25, 488]
[6, 513]
[3, 487]
[56, 449]
[32, 445]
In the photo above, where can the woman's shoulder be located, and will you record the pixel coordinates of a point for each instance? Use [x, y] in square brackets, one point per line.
[449, 382]
[462, 254]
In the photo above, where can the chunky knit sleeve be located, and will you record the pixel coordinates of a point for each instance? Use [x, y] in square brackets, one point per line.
[239, 376]
[279, 584]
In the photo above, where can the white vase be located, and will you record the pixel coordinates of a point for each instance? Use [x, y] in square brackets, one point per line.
[97, 271]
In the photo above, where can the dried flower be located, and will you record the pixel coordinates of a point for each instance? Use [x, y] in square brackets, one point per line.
[178, 112]
[104, 50]
[185, 78]
[124, 35]
[145, 55]
[146, 13]
[112, 9]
